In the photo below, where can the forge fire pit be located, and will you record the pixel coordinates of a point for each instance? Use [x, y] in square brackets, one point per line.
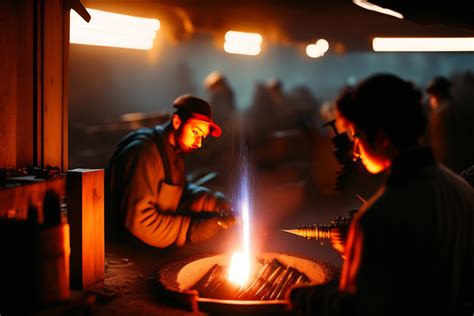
[273, 275]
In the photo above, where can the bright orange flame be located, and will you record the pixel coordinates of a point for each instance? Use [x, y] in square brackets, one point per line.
[239, 269]
[242, 43]
[112, 29]
[426, 44]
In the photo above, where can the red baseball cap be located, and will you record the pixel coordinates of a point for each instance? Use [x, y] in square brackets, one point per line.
[198, 109]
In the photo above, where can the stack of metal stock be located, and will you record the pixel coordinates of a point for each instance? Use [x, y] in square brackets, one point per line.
[271, 282]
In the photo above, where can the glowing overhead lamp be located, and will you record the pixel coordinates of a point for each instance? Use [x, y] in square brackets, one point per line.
[251, 38]
[242, 43]
[114, 30]
[427, 44]
[313, 52]
[373, 7]
[242, 48]
[318, 49]
[322, 45]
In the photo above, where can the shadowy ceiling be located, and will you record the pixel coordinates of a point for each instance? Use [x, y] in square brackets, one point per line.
[302, 21]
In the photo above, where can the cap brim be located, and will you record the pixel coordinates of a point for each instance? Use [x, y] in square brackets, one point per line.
[214, 129]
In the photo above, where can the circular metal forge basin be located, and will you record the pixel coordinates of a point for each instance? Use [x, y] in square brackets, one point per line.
[179, 276]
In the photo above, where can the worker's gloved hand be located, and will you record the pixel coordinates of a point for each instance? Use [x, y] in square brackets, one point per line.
[199, 199]
[226, 218]
[205, 226]
[202, 229]
[221, 205]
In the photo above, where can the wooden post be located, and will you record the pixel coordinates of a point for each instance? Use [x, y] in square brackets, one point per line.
[85, 203]
[34, 48]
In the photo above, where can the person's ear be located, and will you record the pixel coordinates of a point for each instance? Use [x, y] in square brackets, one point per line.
[176, 121]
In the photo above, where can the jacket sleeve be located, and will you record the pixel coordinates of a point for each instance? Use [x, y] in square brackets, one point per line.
[371, 254]
[329, 298]
[353, 255]
[140, 199]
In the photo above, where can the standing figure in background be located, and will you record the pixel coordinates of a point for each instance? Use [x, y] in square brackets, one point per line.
[450, 126]
[221, 96]
[439, 92]
[410, 248]
[147, 194]
[220, 156]
[440, 129]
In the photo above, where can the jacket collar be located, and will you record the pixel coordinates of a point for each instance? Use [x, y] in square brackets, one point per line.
[410, 162]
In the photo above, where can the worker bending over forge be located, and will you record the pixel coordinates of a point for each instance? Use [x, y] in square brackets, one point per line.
[147, 194]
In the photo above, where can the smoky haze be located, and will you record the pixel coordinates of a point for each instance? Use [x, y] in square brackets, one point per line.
[294, 187]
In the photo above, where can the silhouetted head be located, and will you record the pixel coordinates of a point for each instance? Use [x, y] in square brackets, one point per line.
[385, 115]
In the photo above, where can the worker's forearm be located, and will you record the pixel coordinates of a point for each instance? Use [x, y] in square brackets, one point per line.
[156, 229]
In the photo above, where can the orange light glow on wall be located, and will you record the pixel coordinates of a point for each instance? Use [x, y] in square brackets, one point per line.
[242, 43]
[433, 44]
[114, 30]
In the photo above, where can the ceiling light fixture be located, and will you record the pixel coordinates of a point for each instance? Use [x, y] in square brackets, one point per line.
[426, 44]
[318, 49]
[373, 7]
[113, 30]
[243, 43]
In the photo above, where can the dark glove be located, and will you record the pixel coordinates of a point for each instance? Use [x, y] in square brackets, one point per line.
[221, 203]
[226, 218]
[199, 199]
[204, 226]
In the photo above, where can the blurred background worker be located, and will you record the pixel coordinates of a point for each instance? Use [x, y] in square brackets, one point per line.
[451, 118]
[147, 193]
[409, 249]
[439, 92]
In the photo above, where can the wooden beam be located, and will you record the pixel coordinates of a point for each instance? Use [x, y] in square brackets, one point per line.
[24, 132]
[85, 200]
[52, 82]
[10, 17]
[65, 89]
[34, 44]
